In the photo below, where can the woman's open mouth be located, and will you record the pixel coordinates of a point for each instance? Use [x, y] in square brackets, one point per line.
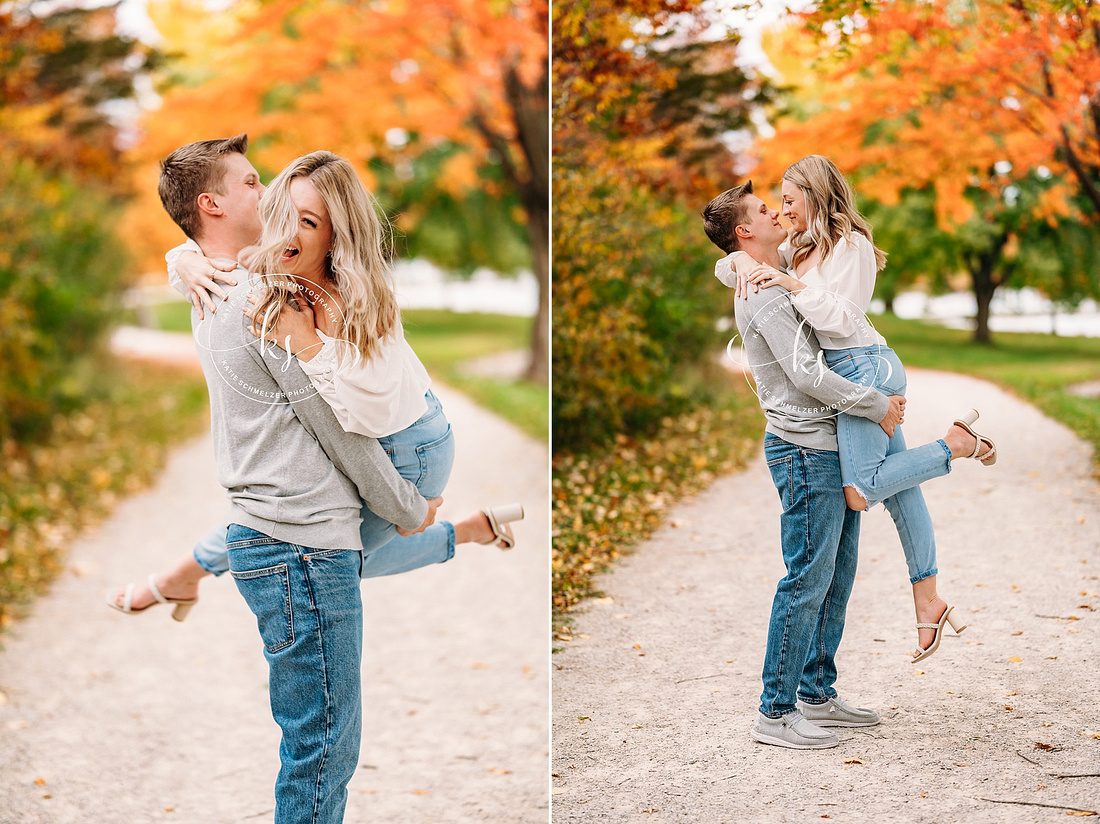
[289, 252]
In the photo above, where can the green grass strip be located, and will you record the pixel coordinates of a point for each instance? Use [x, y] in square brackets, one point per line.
[1040, 369]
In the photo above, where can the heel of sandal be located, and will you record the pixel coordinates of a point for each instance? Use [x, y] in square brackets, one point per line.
[954, 625]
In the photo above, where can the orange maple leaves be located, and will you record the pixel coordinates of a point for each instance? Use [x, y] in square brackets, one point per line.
[942, 94]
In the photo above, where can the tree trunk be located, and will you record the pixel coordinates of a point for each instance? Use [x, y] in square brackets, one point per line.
[983, 292]
[530, 111]
[982, 266]
[538, 226]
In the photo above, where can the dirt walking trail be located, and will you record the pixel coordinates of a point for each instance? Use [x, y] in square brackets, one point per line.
[654, 699]
[107, 718]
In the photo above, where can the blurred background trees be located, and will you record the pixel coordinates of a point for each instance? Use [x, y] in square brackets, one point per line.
[970, 131]
[441, 104]
[61, 190]
[443, 107]
[991, 108]
[643, 100]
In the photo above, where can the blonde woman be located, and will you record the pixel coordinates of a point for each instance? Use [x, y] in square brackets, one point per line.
[324, 295]
[833, 264]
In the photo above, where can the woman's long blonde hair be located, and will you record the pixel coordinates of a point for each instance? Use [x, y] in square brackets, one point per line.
[830, 210]
[358, 265]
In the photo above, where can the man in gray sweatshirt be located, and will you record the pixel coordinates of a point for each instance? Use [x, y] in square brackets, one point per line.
[801, 399]
[294, 479]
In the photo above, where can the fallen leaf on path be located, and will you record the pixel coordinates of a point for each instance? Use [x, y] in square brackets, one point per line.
[857, 760]
[962, 763]
[419, 792]
[499, 771]
[1015, 660]
[979, 585]
[1009, 708]
[583, 718]
[1079, 812]
[1010, 694]
[40, 781]
[1018, 633]
[918, 672]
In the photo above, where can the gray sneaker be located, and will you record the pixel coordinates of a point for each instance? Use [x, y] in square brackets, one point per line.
[792, 730]
[836, 713]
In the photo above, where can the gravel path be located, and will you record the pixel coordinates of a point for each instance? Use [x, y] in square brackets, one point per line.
[654, 699]
[108, 718]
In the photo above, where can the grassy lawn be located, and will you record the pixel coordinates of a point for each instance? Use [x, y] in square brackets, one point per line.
[1037, 368]
[444, 341]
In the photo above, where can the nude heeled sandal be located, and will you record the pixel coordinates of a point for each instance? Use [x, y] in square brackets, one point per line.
[987, 458]
[183, 605]
[499, 518]
[946, 618]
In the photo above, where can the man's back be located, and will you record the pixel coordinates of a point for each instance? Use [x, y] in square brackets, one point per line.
[279, 479]
[799, 395]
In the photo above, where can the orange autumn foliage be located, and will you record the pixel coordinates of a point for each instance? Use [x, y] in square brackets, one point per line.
[370, 83]
[937, 93]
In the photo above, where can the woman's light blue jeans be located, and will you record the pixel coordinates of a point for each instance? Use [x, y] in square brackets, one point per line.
[880, 467]
[820, 537]
[422, 453]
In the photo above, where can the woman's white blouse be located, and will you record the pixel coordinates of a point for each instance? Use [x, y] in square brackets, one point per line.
[375, 397]
[837, 294]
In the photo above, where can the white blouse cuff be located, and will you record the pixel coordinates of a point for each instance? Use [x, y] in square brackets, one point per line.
[322, 366]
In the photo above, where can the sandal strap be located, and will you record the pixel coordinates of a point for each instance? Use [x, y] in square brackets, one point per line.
[156, 592]
[928, 626]
[128, 598]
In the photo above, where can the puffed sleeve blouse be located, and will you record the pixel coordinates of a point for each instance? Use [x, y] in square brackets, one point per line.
[837, 294]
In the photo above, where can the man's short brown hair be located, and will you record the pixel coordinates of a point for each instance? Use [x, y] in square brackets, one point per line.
[191, 170]
[724, 214]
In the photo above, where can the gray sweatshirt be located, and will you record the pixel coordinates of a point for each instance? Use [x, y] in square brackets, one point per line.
[290, 470]
[800, 396]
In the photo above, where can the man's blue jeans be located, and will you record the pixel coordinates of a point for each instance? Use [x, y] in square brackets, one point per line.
[310, 616]
[820, 538]
[424, 454]
[881, 467]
